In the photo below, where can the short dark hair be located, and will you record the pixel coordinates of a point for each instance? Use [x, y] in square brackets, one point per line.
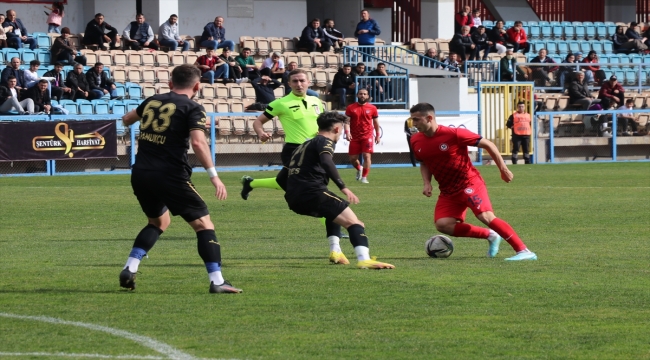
[347, 65]
[139, 14]
[246, 49]
[98, 14]
[42, 81]
[98, 64]
[65, 30]
[209, 48]
[481, 27]
[328, 119]
[10, 77]
[361, 64]
[185, 76]
[476, 10]
[629, 101]
[57, 64]
[34, 62]
[518, 23]
[423, 108]
[379, 64]
[314, 19]
[521, 103]
[173, 15]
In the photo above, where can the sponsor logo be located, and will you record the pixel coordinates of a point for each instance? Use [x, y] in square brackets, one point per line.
[65, 140]
[444, 147]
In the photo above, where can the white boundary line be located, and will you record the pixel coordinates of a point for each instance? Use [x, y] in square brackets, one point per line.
[156, 346]
[94, 356]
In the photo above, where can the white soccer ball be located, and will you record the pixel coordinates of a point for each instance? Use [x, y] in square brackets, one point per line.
[439, 246]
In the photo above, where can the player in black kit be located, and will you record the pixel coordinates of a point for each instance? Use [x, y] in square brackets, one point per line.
[161, 174]
[310, 169]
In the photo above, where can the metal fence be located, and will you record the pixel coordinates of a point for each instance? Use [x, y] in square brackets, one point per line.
[478, 71]
[398, 55]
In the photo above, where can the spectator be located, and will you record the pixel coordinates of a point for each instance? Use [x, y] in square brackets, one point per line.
[593, 71]
[63, 50]
[285, 80]
[264, 89]
[214, 35]
[313, 38]
[627, 119]
[40, 96]
[99, 32]
[480, 39]
[169, 35]
[335, 36]
[3, 32]
[646, 34]
[463, 45]
[540, 73]
[138, 34]
[55, 17]
[76, 80]
[343, 84]
[429, 56]
[59, 89]
[517, 37]
[463, 18]
[634, 32]
[234, 71]
[476, 20]
[366, 31]
[611, 94]
[9, 95]
[31, 76]
[360, 70]
[579, 92]
[566, 73]
[18, 33]
[99, 82]
[509, 67]
[624, 44]
[247, 64]
[520, 123]
[450, 63]
[14, 70]
[273, 66]
[498, 37]
[213, 67]
[383, 84]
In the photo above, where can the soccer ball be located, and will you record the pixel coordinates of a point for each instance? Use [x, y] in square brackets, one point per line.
[439, 246]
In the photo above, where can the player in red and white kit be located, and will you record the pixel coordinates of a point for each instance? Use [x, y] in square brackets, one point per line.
[442, 152]
[363, 122]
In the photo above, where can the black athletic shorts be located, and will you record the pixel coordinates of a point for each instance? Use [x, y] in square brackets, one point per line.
[320, 204]
[157, 191]
[287, 151]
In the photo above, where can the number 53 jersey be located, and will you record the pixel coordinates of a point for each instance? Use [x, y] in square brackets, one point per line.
[164, 139]
[306, 173]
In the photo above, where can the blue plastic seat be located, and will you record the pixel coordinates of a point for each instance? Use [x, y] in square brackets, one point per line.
[608, 73]
[101, 108]
[569, 32]
[608, 23]
[620, 74]
[43, 41]
[537, 46]
[581, 32]
[509, 24]
[534, 32]
[131, 106]
[134, 90]
[601, 31]
[119, 108]
[531, 23]
[86, 109]
[587, 23]
[524, 23]
[557, 58]
[591, 32]
[28, 55]
[44, 57]
[646, 59]
[614, 61]
[597, 46]
[71, 107]
[120, 129]
[12, 53]
[625, 60]
[608, 47]
[551, 47]
[631, 77]
[576, 23]
[547, 32]
[41, 72]
[598, 23]
[574, 46]
[562, 47]
[544, 23]
[585, 46]
[558, 32]
[555, 23]
[611, 30]
[488, 23]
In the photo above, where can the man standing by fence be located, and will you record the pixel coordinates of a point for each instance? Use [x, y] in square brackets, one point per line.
[520, 122]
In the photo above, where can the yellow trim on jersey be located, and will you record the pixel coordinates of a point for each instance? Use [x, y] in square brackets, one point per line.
[333, 197]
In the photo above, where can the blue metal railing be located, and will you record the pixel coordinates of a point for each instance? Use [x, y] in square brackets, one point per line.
[399, 55]
[369, 56]
[385, 90]
[480, 71]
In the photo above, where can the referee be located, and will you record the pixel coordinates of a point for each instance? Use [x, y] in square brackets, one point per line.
[161, 174]
[297, 113]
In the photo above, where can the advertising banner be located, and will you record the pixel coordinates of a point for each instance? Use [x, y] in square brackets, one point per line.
[57, 140]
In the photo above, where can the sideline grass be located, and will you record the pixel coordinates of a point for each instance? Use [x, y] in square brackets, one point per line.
[63, 241]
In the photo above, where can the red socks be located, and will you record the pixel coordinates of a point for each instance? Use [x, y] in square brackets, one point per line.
[365, 172]
[507, 233]
[467, 230]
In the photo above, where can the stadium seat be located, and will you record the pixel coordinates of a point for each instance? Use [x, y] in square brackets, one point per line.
[148, 59]
[235, 91]
[547, 32]
[585, 47]
[569, 32]
[118, 108]
[537, 46]
[611, 29]
[41, 71]
[28, 55]
[209, 91]
[131, 105]
[222, 92]
[134, 90]
[249, 91]
[580, 32]
[558, 32]
[574, 46]
[119, 74]
[509, 24]
[544, 23]
[120, 89]
[263, 46]
[101, 108]
[134, 59]
[162, 88]
[551, 47]
[177, 59]
[275, 44]
[163, 75]
[608, 47]
[44, 57]
[43, 41]
[597, 46]
[134, 75]
[333, 61]
[562, 47]
[630, 77]
[591, 32]
[148, 89]
[319, 60]
[162, 59]
[190, 58]
[85, 108]
[287, 44]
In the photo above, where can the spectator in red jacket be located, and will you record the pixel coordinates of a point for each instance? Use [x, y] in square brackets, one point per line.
[517, 37]
[593, 71]
[464, 17]
[611, 94]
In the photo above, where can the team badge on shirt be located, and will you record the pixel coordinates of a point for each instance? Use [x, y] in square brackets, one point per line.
[469, 191]
[444, 147]
[316, 109]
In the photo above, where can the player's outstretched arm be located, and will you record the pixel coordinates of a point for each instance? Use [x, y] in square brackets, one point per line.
[328, 165]
[506, 174]
[202, 152]
[258, 127]
[130, 118]
[426, 179]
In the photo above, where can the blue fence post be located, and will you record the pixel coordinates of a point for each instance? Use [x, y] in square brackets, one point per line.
[551, 138]
[132, 135]
[480, 120]
[614, 131]
[213, 140]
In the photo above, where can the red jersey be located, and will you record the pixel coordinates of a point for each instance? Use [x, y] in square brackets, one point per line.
[361, 124]
[209, 61]
[445, 155]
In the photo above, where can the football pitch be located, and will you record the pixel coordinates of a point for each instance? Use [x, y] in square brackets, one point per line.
[64, 240]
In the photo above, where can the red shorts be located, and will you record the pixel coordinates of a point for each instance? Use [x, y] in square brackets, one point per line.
[361, 146]
[455, 206]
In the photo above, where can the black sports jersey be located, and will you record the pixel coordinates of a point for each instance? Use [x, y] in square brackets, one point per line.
[309, 170]
[164, 140]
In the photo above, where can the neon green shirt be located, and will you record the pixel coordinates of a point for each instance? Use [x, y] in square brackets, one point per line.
[297, 115]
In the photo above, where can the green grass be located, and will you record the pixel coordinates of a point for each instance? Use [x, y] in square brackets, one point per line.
[64, 240]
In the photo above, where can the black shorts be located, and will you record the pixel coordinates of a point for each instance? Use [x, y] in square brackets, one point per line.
[320, 204]
[287, 151]
[157, 192]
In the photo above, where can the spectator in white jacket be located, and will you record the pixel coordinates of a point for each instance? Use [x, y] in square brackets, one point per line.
[168, 35]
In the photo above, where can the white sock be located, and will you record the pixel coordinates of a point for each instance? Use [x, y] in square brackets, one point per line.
[363, 253]
[334, 243]
[216, 277]
[132, 263]
[523, 251]
[493, 235]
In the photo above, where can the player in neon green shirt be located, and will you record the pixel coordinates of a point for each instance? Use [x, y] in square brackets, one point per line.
[298, 113]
